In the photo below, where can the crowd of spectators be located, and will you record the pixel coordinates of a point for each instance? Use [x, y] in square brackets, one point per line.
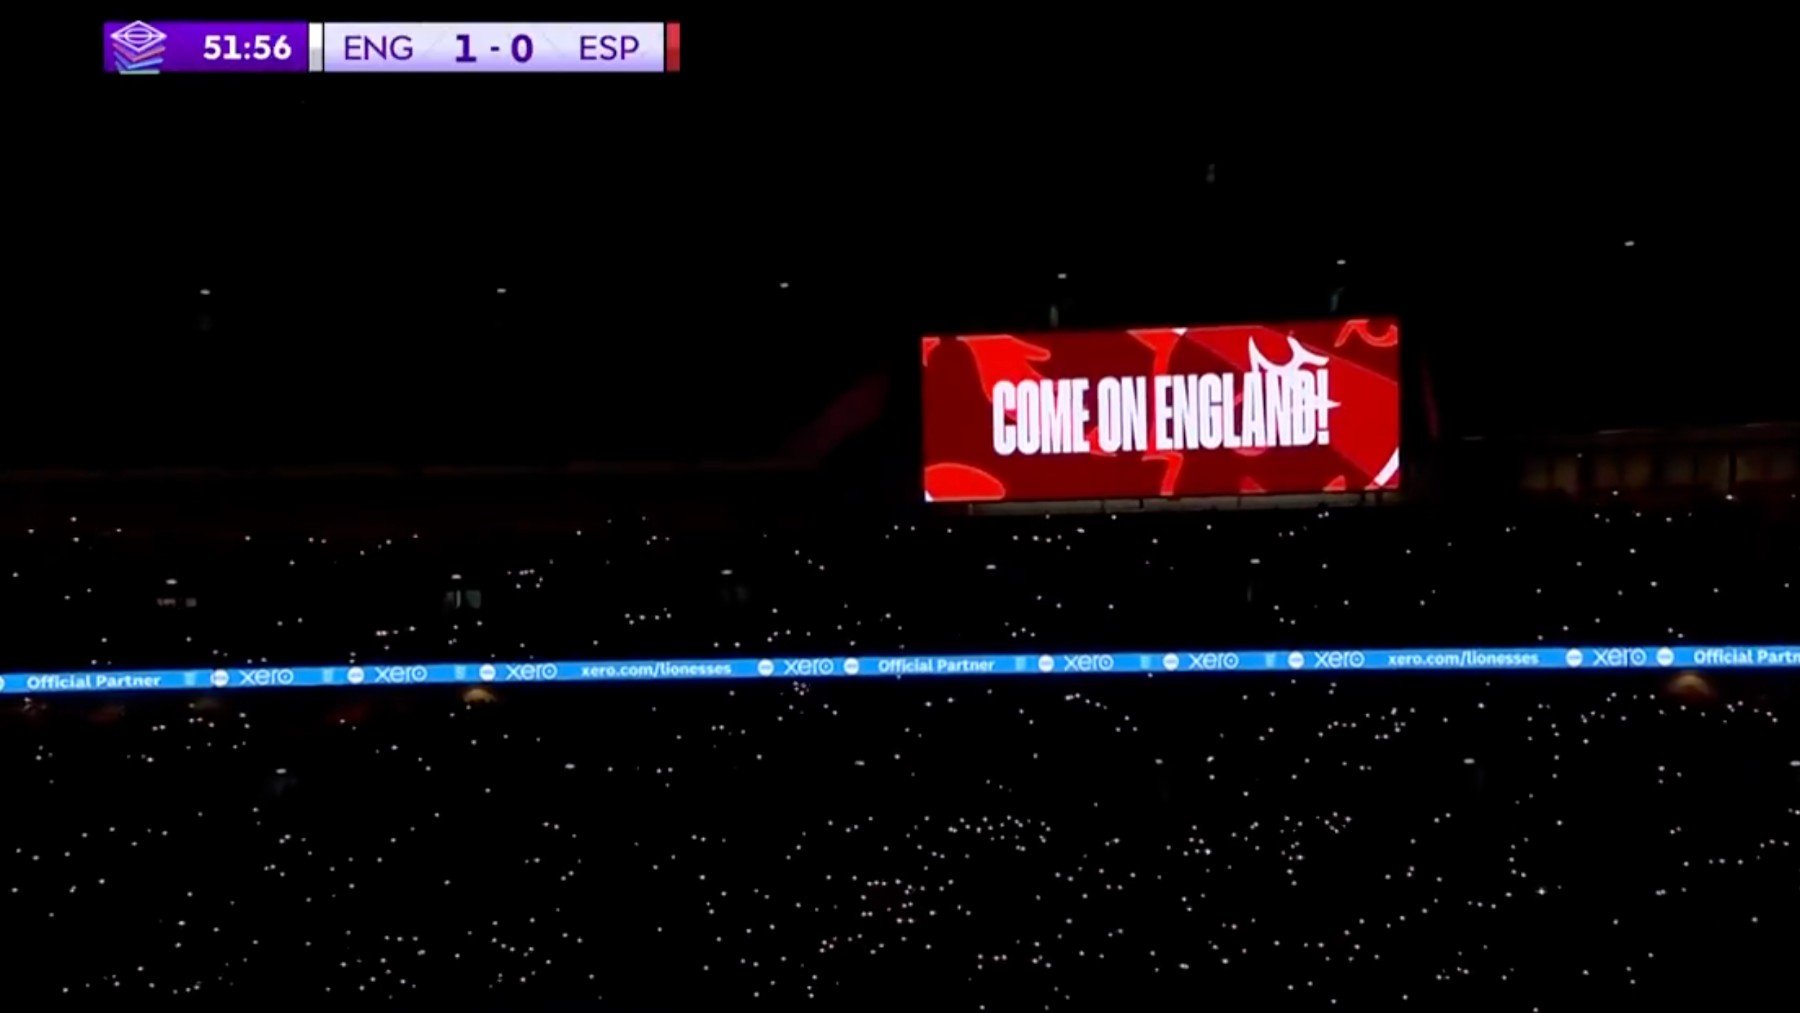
[1492, 841]
[86, 595]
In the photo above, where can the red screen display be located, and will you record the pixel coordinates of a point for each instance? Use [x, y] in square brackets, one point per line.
[1303, 407]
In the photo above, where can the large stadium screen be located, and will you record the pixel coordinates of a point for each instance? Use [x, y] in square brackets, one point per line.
[1241, 409]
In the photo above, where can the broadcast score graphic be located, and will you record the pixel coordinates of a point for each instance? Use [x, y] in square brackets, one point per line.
[138, 48]
[1233, 410]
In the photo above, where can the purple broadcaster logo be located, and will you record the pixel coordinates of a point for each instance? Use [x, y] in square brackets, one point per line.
[138, 49]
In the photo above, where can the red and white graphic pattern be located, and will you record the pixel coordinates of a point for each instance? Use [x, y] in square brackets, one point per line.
[1310, 406]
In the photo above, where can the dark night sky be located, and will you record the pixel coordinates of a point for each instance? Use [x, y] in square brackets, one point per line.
[901, 178]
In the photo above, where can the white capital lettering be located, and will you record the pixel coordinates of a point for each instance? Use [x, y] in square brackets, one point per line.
[1275, 409]
[1254, 434]
[1210, 411]
[1228, 398]
[1057, 416]
[1005, 400]
[1112, 425]
[1164, 386]
[1029, 433]
[1187, 412]
[1323, 405]
[1079, 416]
[1306, 427]
[1132, 406]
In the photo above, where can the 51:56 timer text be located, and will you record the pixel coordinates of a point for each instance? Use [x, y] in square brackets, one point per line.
[259, 47]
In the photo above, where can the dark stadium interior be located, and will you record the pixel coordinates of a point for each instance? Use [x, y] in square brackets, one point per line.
[510, 369]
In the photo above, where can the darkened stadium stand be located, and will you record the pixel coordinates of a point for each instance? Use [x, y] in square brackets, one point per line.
[82, 595]
[1499, 840]
[337, 371]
